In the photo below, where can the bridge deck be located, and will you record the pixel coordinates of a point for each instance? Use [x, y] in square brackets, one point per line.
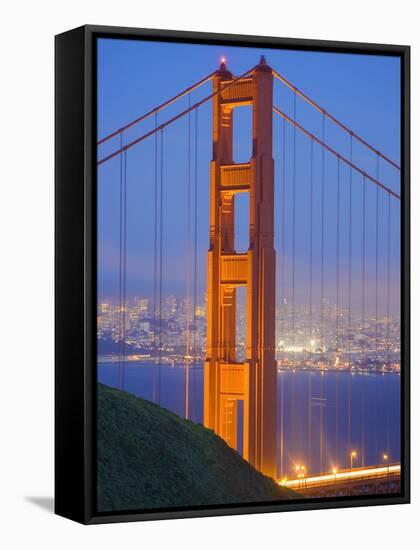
[347, 479]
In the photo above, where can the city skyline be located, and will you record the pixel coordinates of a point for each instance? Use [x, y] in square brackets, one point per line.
[141, 331]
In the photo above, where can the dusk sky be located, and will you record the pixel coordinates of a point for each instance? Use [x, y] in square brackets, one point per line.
[363, 91]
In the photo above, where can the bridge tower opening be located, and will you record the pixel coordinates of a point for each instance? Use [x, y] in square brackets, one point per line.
[227, 380]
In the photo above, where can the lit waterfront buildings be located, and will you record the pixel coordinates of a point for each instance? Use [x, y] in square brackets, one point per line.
[334, 340]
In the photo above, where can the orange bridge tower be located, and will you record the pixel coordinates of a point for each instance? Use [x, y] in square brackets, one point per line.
[226, 380]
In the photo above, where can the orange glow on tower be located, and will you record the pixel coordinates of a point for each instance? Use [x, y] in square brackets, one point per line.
[226, 380]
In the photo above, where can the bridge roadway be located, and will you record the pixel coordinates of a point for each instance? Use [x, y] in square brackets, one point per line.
[365, 480]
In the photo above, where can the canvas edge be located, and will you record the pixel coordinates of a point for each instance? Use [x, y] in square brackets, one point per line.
[85, 485]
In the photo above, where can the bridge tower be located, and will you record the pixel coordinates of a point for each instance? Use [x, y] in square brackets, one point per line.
[226, 380]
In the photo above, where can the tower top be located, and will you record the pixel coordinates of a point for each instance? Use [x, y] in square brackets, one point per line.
[262, 65]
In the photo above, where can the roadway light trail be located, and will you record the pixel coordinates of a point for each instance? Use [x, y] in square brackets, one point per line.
[343, 475]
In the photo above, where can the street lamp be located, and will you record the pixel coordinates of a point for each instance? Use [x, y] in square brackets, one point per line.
[386, 459]
[301, 474]
[385, 456]
[353, 455]
[335, 474]
[303, 469]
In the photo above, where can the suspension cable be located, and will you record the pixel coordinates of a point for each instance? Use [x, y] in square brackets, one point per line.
[363, 318]
[124, 271]
[160, 266]
[388, 314]
[333, 119]
[187, 279]
[334, 152]
[173, 119]
[155, 110]
[376, 308]
[155, 259]
[195, 255]
[321, 421]
[349, 317]
[282, 424]
[388, 297]
[283, 308]
[337, 305]
[337, 253]
[294, 233]
[293, 397]
[311, 214]
[120, 264]
[283, 245]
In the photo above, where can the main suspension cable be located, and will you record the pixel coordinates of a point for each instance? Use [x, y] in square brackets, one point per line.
[332, 118]
[155, 110]
[172, 120]
[338, 155]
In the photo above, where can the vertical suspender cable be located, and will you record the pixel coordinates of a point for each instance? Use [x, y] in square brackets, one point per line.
[283, 245]
[120, 263]
[311, 214]
[155, 260]
[363, 318]
[337, 305]
[376, 309]
[187, 263]
[195, 256]
[282, 424]
[160, 267]
[283, 286]
[321, 410]
[294, 229]
[124, 269]
[294, 431]
[349, 318]
[388, 313]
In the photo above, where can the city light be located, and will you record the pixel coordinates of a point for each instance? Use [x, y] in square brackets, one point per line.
[305, 353]
[386, 459]
[342, 476]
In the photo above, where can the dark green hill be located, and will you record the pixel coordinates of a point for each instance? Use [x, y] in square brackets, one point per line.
[149, 457]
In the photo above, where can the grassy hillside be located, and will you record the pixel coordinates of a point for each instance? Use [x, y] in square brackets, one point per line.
[149, 457]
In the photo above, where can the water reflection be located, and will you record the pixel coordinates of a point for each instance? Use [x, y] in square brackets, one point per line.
[322, 417]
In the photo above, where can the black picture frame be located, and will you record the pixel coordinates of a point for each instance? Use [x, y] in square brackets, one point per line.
[75, 271]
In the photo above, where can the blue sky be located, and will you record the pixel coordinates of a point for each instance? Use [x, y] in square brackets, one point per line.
[361, 91]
